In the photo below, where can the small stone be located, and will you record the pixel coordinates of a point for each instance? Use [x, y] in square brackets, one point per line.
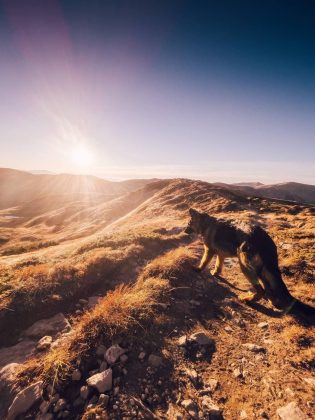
[211, 408]
[142, 356]
[103, 366]
[83, 302]
[243, 415]
[116, 391]
[123, 358]
[60, 405]
[76, 375]
[201, 339]
[103, 400]
[228, 328]
[212, 384]
[192, 375]
[43, 408]
[102, 381]
[44, 343]
[291, 412]
[155, 361]
[190, 406]
[113, 354]
[182, 341]
[263, 325]
[84, 392]
[254, 348]
[100, 351]
[237, 373]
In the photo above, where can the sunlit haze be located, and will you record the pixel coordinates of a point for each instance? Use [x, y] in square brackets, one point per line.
[220, 91]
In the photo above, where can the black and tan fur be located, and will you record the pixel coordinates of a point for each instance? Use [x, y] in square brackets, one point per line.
[257, 255]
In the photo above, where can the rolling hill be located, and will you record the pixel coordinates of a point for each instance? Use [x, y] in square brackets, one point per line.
[96, 290]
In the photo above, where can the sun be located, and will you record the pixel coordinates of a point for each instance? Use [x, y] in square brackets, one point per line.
[82, 156]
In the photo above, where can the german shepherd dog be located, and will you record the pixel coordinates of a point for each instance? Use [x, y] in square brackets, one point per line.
[257, 255]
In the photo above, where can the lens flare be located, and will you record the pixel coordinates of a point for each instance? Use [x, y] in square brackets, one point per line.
[81, 156]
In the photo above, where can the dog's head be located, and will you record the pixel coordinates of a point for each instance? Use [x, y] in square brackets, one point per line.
[194, 222]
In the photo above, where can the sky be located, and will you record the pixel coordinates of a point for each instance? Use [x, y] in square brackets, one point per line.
[214, 90]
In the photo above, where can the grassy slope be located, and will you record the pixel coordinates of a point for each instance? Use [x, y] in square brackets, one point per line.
[121, 251]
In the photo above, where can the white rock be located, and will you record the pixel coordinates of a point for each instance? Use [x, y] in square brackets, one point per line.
[212, 384]
[102, 381]
[44, 343]
[113, 354]
[291, 412]
[182, 341]
[243, 415]
[142, 355]
[263, 325]
[24, 400]
[254, 348]
[201, 339]
[103, 400]
[49, 326]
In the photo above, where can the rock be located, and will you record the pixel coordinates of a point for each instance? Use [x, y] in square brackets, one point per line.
[201, 339]
[102, 381]
[113, 354]
[243, 415]
[192, 375]
[43, 408]
[291, 412]
[103, 400]
[44, 343]
[60, 405]
[254, 348]
[182, 341]
[93, 301]
[49, 326]
[100, 351]
[83, 302]
[237, 373]
[212, 384]
[190, 406]
[154, 360]
[211, 408]
[141, 356]
[103, 366]
[76, 375]
[263, 325]
[228, 328]
[123, 358]
[84, 392]
[18, 353]
[24, 400]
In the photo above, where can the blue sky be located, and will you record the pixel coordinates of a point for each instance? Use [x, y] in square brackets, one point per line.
[222, 91]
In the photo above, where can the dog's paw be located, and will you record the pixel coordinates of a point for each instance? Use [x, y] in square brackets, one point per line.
[247, 297]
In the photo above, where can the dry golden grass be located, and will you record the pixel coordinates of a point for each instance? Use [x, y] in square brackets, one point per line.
[117, 312]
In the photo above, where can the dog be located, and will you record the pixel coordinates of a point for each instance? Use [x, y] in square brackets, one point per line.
[257, 256]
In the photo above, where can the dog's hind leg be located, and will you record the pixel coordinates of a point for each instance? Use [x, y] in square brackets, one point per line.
[252, 276]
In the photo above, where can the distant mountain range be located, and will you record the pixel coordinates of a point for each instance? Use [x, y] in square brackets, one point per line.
[289, 191]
